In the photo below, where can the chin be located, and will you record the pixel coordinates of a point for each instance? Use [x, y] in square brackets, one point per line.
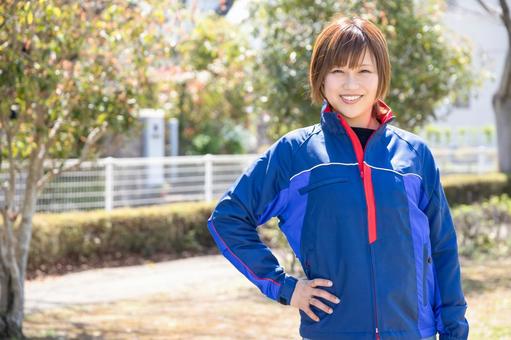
[350, 116]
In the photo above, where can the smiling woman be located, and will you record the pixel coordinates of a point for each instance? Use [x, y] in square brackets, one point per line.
[350, 69]
[360, 203]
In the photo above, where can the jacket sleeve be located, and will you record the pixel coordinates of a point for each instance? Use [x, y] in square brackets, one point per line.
[451, 307]
[259, 194]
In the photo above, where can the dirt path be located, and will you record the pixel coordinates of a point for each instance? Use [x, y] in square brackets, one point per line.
[206, 298]
[113, 284]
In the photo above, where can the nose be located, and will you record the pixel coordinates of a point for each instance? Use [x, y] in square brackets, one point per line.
[350, 82]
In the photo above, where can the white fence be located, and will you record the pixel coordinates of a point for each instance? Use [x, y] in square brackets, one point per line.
[111, 183]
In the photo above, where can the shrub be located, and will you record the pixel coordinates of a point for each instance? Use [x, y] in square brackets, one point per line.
[470, 188]
[484, 229]
[81, 237]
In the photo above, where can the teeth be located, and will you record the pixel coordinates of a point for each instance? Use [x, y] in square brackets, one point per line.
[351, 97]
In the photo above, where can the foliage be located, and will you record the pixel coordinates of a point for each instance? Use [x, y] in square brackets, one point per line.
[69, 73]
[484, 228]
[82, 63]
[212, 98]
[72, 239]
[471, 188]
[428, 69]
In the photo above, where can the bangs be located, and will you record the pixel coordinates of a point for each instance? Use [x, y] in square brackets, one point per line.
[346, 47]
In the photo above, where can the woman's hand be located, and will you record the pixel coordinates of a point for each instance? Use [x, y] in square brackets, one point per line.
[305, 294]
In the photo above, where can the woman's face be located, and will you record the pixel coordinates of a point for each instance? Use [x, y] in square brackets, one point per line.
[352, 92]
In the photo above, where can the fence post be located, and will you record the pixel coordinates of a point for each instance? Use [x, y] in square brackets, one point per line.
[208, 177]
[109, 183]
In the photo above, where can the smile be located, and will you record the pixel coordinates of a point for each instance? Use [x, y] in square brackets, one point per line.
[350, 99]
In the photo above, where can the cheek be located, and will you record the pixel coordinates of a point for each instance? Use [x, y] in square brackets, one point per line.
[330, 84]
[372, 84]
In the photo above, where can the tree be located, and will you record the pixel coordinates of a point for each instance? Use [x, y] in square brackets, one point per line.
[427, 69]
[501, 100]
[69, 72]
[214, 91]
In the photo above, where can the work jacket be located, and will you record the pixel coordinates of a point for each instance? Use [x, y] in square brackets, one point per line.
[374, 221]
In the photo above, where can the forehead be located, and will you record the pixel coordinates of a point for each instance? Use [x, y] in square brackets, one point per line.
[353, 59]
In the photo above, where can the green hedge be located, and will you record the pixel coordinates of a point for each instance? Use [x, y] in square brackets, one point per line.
[468, 188]
[91, 237]
[81, 237]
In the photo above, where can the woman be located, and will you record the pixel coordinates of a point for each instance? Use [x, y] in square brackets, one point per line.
[361, 204]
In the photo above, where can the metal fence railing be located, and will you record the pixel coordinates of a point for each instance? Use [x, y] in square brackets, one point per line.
[478, 160]
[122, 182]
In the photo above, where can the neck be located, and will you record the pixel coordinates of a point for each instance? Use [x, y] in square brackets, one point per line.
[363, 122]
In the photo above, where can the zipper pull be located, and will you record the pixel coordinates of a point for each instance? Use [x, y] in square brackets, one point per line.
[361, 173]
[377, 334]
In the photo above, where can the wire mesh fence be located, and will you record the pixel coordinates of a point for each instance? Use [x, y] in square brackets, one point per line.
[127, 182]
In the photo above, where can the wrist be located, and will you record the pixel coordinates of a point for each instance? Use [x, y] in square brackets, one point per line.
[286, 290]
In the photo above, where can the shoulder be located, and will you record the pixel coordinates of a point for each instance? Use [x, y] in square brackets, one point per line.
[293, 140]
[414, 141]
[428, 166]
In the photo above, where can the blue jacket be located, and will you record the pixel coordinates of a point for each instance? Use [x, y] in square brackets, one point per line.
[375, 222]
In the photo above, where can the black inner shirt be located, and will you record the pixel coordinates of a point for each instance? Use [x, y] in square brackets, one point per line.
[363, 134]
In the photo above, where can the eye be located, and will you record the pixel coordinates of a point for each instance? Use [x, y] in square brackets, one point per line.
[365, 71]
[337, 71]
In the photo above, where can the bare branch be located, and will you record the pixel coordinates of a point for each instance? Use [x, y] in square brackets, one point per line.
[504, 16]
[9, 186]
[52, 134]
[491, 10]
[91, 140]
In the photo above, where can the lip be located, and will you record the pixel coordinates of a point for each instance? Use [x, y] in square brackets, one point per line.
[344, 100]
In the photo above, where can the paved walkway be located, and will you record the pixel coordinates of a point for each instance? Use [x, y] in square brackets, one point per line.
[111, 284]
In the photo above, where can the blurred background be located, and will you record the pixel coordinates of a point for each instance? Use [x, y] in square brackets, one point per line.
[123, 122]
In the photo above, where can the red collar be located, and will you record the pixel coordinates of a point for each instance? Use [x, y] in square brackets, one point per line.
[382, 111]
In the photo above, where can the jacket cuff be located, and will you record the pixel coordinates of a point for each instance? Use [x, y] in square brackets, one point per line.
[286, 290]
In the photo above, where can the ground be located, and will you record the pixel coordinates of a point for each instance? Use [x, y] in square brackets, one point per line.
[206, 298]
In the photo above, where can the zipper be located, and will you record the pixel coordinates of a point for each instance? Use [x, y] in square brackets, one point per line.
[374, 294]
[360, 155]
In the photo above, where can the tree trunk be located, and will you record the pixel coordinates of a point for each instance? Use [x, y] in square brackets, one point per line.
[11, 317]
[502, 107]
[14, 248]
[11, 290]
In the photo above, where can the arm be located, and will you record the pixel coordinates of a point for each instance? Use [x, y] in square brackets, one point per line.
[259, 194]
[451, 323]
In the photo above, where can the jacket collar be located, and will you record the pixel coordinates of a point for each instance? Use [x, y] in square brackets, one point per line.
[333, 121]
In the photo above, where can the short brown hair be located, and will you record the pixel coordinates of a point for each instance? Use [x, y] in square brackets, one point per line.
[346, 40]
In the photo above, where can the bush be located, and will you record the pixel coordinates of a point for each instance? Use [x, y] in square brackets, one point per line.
[88, 237]
[94, 237]
[484, 229]
[468, 188]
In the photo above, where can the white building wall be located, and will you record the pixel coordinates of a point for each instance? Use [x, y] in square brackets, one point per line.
[489, 38]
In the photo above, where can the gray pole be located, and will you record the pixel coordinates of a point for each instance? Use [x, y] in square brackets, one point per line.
[174, 146]
[174, 136]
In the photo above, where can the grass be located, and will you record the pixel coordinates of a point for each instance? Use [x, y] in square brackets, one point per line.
[241, 312]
